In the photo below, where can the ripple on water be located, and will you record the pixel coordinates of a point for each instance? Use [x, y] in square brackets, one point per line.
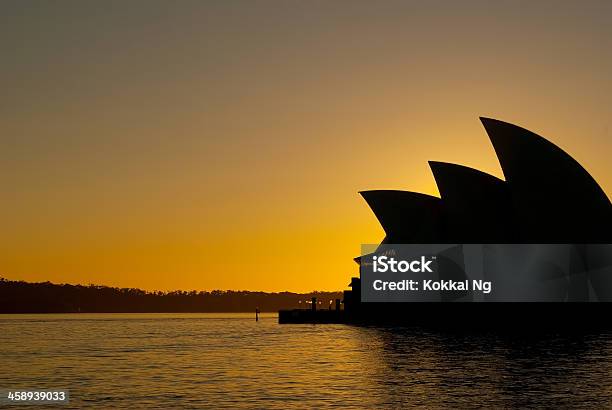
[232, 361]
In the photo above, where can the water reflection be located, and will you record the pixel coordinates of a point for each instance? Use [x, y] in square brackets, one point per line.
[232, 361]
[446, 369]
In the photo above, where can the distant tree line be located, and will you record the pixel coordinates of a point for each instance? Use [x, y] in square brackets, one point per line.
[46, 297]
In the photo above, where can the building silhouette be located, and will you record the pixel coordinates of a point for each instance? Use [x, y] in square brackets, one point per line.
[547, 204]
[547, 197]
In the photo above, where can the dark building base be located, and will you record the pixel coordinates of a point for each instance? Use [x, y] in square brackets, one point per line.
[511, 317]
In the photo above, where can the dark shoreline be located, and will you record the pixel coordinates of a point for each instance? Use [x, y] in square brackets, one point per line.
[46, 297]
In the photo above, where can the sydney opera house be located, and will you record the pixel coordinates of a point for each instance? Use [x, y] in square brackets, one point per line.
[547, 197]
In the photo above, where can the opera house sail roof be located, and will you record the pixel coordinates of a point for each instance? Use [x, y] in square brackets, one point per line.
[546, 197]
[554, 197]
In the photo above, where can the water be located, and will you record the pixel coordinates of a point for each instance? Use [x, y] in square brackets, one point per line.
[229, 360]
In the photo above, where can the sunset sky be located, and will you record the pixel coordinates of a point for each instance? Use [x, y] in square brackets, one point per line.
[222, 144]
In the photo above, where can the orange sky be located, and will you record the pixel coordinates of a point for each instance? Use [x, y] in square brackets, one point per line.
[221, 145]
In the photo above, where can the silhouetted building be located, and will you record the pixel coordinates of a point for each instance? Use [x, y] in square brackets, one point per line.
[547, 197]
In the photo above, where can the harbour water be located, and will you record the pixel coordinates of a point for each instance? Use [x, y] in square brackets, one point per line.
[231, 361]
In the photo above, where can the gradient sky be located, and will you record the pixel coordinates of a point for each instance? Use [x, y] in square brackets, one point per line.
[221, 144]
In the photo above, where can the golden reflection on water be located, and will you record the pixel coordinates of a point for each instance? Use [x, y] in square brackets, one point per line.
[225, 360]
